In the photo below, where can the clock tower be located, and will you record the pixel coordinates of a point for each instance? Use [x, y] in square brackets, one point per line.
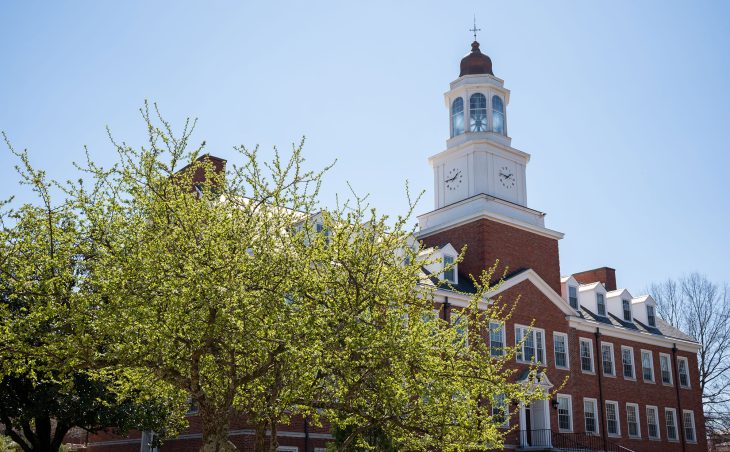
[479, 181]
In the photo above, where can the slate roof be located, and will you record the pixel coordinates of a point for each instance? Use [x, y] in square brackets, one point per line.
[662, 328]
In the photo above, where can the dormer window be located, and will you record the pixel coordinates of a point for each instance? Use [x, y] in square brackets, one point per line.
[651, 316]
[601, 304]
[497, 115]
[457, 117]
[573, 297]
[627, 310]
[478, 113]
[450, 273]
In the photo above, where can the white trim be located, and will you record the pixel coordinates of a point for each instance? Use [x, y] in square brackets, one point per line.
[694, 426]
[613, 360]
[635, 406]
[618, 418]
[651, 361]
[590, 326]
[287, 449]
[633, 363]
[567, 353]
[666, 426]
[502, 332]
[570, 412]
[686, 367]
[669, 366]
[521, 350]
[580, 355]
[596, 417]
[656, 419]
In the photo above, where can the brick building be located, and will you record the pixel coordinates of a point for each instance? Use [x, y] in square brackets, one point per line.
[632, 379]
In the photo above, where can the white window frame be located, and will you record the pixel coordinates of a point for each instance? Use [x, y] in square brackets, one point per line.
[570, 412]
[651, 362]
[596, 422]
[666, 424]
[694, 426]
[519, 356]
[633, 363]
[455, 318]
[655, 409]
[618, 418]
[577, 302]
[455, 279]
[623, 311]
[555, 352]
[580, 354]
[686, 368]
[669, 367]
[287, 449]
[613, 360]
[652, 316]
[603, 303]
[635, 407]
[502, 333]
[504, 408]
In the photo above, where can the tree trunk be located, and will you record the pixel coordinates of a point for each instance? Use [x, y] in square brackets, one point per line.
[260, 439]
[215, 430]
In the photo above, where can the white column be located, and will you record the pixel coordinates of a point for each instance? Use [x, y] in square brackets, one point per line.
[523, 426]
[547, 404]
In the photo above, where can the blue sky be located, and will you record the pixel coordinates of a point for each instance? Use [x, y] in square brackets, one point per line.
[623, 105]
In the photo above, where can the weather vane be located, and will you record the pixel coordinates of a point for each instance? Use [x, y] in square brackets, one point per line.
[475, 29]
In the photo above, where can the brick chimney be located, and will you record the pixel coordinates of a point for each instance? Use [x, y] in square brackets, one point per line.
[606, 275]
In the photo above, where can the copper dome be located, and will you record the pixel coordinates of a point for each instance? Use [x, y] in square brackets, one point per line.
[476, 62]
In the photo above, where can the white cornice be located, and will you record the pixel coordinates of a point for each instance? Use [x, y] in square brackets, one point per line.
[475, 138]
[484, 214]
[637, 336]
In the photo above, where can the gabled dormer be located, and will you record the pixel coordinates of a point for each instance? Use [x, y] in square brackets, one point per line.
[439, 262]
[618, 303]
[569, 290]
[593, 297]
[644, 308]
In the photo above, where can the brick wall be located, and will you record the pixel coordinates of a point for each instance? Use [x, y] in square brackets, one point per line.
[515, 248]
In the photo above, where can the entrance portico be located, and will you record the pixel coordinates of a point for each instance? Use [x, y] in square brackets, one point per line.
[535, 431]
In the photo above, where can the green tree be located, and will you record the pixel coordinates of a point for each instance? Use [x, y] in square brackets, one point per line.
[238, 288]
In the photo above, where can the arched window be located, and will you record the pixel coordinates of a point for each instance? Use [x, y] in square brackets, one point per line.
[457, 117]
[497, 115]
[478, 113]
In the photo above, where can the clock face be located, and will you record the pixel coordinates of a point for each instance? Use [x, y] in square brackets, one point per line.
[507, 177]
[454, 178]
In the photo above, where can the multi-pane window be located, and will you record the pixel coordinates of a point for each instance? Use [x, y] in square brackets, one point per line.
[652, 421]
[449, 273]
[457, 117]
[590, 412]
[530, 344]
[478, 112]
[565, 413]
[683, 372]
[670, 416]
[459, 321]
[496, 338]
[497, 115]
[647, 366]
[586, 355]
[560, 344]
[627, 358]
[632, 420]
[651, 315]
[627, 309]
[601, 304]
[689, 426]
[612, 424]
[666, 370]
[573, 296]
[500, 410]
[607, 359]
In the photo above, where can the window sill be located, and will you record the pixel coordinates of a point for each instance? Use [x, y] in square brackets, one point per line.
[669, 385]
[614, 435]
[650, 382]
[635, 437]
[562, 368]
[609, 375]
[685, 387]
[629, 378]
[655, 439]
[588, 372]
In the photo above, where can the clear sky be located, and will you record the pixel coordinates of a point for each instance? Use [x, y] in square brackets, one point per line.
[624, 105]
